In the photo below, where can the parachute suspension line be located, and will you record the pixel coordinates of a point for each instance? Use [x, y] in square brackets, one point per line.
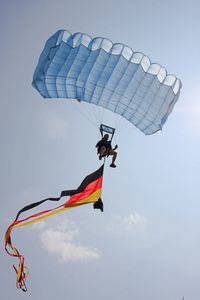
[85, 115]
[100, 110]
[94, 112]
[101, 115]
[95, 116]
[117, 126]
[104, 118]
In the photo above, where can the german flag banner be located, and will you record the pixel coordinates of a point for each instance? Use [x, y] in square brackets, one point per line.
[89, 191]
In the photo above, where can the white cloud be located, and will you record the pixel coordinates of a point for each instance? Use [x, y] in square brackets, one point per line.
[134, 219]
[60, 242]
[130, 222]
[40, 225]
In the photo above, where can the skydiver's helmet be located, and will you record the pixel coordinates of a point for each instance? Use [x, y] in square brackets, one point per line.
[106, 137]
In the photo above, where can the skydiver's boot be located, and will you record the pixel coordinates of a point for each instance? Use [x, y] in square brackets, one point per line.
[113, 165]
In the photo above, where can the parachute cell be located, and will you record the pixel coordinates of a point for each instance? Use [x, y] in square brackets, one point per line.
[109, 75]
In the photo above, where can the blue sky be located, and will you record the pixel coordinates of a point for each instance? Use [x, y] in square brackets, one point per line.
[146, 243]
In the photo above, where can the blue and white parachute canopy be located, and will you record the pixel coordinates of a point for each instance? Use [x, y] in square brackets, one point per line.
[109, 75]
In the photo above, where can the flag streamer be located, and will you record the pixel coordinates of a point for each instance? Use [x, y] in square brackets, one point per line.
[89, 191]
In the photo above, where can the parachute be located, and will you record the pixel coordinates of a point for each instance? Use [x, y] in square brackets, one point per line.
[109, 75]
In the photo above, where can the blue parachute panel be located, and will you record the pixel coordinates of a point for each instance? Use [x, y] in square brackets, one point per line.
[109, 75]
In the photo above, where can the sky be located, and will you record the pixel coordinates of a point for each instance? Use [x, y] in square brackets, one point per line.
[145, 245]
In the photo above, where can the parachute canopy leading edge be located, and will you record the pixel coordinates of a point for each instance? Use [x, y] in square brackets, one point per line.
[109, 75]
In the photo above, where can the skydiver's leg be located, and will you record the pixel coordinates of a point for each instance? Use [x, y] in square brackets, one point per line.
[114, 156]
[102, 152]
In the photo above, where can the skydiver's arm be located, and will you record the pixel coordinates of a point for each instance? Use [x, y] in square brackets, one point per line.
[97, 145]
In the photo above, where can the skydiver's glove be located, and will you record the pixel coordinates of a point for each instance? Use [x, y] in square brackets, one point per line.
[116, 146]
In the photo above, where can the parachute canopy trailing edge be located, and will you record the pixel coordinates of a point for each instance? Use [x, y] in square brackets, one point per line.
[109, 75]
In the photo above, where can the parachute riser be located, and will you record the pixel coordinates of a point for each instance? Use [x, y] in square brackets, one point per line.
[104, 128]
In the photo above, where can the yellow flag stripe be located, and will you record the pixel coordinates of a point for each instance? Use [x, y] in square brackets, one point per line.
[91, 199]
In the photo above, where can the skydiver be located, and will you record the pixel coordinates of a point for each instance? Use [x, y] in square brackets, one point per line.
[104, 148]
